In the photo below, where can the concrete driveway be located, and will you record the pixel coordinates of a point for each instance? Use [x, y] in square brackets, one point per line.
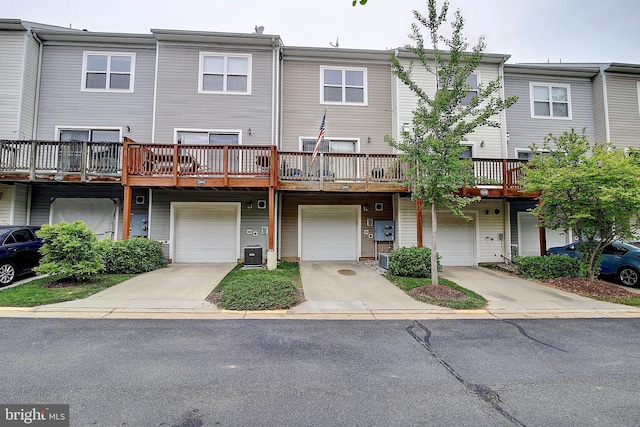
[176, 286]
[337, 285]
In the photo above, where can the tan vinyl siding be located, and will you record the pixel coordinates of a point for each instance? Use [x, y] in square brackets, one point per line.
[251, 219]
[180, 106]
[525, 130]
[624, 116]
[290, 203]
[407, 103]
[11, 52]
[599, 109]
[62, 103]
[5, 204]
[302, 111]
[29, 88]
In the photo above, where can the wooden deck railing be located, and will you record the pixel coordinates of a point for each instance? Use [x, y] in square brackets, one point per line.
[77, 159]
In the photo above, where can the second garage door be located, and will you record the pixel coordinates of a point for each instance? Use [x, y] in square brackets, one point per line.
[456, 239]
[206, 232]
[329, 233]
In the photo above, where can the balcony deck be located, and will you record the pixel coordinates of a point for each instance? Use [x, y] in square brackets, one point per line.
[61, 161]
[231, 166]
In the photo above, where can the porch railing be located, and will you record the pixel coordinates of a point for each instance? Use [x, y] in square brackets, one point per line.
[68, 157]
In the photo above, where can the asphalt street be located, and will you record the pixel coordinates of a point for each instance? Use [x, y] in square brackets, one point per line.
[190, 373]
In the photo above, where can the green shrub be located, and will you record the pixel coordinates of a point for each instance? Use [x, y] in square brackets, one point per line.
[132, 256]
[547, 267]
[258, 293]
[70, 250]
[411, 262]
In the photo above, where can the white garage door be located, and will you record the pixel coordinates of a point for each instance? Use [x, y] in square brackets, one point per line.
[529, 235]
[456, 239]
[329, 233]
[205, 232]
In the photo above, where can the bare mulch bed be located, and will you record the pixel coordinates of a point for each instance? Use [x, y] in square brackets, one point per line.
[590, 288]
[440, 292]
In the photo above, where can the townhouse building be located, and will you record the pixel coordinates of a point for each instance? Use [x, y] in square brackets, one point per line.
[205, 142]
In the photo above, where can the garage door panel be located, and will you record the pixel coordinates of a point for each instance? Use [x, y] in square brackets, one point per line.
[456, 239]
[206, 233]
[329, 234]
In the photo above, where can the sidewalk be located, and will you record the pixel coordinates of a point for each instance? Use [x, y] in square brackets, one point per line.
[334, 290]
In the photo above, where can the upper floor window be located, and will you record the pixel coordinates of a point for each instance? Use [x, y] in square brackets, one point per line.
[208, 137]
[472, 81]
[330, 145]
[225, 73]
[550, 100]
[528, 154]
[113, 72]
[343, 85]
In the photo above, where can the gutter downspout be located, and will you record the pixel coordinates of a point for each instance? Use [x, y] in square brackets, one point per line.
[607, 129]
[503, 114]
[38, 82]
[155, 95]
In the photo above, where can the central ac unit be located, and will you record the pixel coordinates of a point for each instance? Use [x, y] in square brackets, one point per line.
[383, 261]
[253, 255]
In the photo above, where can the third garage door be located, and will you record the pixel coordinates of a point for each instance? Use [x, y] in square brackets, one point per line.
[456, 239]
[329, 233]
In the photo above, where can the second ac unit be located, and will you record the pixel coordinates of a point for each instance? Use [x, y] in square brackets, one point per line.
[383, 261]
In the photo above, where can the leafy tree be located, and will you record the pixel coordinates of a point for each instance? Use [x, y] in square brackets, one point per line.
[362, 2]
[70, 250]
[441, 121]
[590, 188]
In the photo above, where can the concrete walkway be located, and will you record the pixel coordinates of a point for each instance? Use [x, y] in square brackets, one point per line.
[333, 290]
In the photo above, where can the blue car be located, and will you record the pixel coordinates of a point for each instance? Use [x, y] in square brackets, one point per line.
[19, 252]
[619, 259]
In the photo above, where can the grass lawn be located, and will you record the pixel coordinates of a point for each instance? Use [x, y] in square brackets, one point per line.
[259, 289]
[471, 300]
[35, 292]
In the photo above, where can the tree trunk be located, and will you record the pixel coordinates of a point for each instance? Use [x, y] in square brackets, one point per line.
[434, 244]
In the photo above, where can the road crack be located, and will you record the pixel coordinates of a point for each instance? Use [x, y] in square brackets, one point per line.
[483, 392]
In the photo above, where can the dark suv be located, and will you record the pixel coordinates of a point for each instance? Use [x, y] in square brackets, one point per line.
[19, 251]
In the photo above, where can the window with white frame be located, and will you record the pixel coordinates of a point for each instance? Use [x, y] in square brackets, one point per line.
[550, 100]
[528, 154]
[208, 137]
[113, 72]
[472, 81]
[213, 160]
[103, 156]
[225, 73]
[330, 145]
[343, 85]
[468, 152]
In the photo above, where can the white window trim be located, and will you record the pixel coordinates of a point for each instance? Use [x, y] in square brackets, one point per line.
[365, 97]
[473, 146]
[176, 130]
[550, 117]
[225, 55]
[60, 128]
[132, 72]
[527, 150]
[315, 138]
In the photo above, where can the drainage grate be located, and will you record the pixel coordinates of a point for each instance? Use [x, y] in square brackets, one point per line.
[347, 272]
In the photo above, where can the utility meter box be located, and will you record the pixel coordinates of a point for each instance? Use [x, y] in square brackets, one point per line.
[139, 226]
[384, 231]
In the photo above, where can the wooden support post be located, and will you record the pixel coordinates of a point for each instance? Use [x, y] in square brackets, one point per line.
[419, 222]
[543, 239]
[125, 161]
[176, 165]
[126, 220]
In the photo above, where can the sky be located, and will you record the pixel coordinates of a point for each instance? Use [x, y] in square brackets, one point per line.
[528, 30]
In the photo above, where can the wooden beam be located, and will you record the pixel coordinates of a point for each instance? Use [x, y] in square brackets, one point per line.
[126, 220]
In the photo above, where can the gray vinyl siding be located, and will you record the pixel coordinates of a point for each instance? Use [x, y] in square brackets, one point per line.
[20, 201]
[179, 105]
[599, 109]
[12, 53]
[43, 195]
[5, 204]
[251, 219]
[302, 111]
[624, 116]
[525, 130]
[29, 88]
[62, 103]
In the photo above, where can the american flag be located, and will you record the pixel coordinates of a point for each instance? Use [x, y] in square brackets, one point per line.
[316, 149]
